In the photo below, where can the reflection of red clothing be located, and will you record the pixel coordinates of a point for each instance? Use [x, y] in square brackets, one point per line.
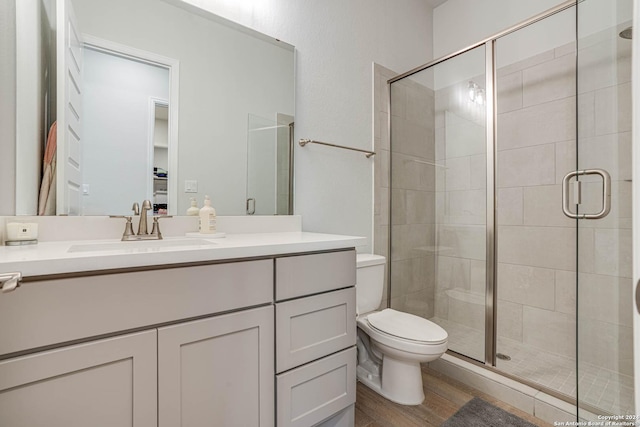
[47, 199]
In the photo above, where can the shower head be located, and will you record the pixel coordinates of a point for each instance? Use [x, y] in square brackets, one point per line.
[626, 33]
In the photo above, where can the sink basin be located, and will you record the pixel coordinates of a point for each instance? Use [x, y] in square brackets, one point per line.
[141, 246]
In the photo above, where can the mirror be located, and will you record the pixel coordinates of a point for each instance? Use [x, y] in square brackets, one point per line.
[153, 99]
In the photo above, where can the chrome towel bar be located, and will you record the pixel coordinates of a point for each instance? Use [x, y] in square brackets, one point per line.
[304, 142]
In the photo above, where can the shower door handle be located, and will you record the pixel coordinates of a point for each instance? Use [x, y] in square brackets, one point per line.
[251, 206]
[606, 194]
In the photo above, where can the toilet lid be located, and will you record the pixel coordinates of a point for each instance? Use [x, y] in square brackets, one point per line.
[407, 326]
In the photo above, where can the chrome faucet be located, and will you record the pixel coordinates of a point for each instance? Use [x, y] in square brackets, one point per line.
[143, 233]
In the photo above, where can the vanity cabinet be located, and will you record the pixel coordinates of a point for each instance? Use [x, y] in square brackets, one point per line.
[261, 342]
[103, 383]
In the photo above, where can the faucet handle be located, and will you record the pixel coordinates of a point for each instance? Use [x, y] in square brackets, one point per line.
[155, 229]
[128, 227]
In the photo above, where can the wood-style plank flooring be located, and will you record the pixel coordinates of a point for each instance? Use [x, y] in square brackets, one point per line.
[444, 396]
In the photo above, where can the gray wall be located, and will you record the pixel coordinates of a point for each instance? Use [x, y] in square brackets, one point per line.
[7, 105]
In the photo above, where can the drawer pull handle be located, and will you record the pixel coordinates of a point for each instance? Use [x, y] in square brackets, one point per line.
[10, 281]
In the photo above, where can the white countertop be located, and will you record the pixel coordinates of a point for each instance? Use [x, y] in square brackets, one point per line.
[48, 258]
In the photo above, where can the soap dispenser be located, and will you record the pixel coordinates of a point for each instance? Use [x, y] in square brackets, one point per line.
[193, 210]
[207, 217]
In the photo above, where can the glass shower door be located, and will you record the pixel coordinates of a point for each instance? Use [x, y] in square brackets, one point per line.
[536, 249]
[604, 279]
[439, 198]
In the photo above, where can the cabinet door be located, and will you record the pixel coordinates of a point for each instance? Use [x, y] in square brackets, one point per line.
[218, 371]
[110, 383]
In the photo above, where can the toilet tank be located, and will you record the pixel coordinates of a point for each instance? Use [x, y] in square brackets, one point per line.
[369, 282]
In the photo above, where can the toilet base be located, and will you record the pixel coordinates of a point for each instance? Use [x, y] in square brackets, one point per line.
[401, 381]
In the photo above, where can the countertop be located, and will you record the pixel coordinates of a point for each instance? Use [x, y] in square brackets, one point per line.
[60, 257]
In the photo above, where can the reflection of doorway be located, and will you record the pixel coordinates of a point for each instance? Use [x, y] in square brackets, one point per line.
[122, 88]
[159, 141]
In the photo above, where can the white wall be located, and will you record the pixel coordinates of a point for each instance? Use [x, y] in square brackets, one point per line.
[336, 43]
[33, 38]
[460, 23]
[116, 152]
[7, 107]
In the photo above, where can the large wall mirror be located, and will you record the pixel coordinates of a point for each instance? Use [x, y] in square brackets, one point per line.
[149, 99]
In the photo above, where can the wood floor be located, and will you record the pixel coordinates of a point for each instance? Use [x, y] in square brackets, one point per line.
[444, 397]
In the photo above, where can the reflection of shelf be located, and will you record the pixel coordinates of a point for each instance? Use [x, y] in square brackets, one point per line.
[435, 250]
[160, 178]
[465, 295]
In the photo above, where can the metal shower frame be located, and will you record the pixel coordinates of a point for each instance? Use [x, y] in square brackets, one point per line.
[491, 148]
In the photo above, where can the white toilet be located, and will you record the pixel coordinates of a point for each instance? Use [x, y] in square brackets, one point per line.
[391, 344]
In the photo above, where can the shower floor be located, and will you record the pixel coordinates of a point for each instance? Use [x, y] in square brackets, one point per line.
[601, 388]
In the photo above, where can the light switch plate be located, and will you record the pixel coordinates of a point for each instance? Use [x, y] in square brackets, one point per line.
[190, 186]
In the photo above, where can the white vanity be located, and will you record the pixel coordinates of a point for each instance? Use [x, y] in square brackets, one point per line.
[251, 330]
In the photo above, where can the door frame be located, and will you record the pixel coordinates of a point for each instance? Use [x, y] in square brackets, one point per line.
[173, 66]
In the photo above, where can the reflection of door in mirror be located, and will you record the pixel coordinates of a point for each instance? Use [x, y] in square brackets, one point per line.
[268, 165]
[160, 159]
[121, 94]
[70, 140]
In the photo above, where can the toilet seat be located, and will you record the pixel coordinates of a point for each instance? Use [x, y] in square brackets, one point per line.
[407, 327]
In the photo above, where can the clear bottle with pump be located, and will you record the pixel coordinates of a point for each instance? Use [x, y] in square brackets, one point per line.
[207, 217]
[193, 210]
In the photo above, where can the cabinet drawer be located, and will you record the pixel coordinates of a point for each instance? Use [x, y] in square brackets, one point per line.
[298, 276]
[314, 392]
[310, 328]
[56, 311]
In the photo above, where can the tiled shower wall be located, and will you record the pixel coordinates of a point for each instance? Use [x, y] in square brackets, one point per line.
[605, 307]
[413, 198]
[536, 128]
[536, 242]
[461, 207]
[381, 166]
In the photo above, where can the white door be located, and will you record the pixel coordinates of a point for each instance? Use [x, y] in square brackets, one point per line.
[69, 107]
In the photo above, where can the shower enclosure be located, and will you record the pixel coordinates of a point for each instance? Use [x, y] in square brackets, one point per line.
[483, 146]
